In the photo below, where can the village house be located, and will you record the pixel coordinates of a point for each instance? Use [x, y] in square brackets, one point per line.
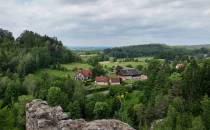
[143, 77]
[129, 73]
[114, 81]
[83, 75]
[101, 80]
[179, 66]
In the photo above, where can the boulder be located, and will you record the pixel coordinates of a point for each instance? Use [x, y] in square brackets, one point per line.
[40, 116]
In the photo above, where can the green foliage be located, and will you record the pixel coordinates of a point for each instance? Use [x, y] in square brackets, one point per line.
[31, 51]
[56, 97]
[13, 90]
[206, 112]
[32, 84]
[118, 90]
[74, 110]
[157, 50]
[140, 67]
[6, 119]
[197, 124]
[98, 70]
[129, 66]
[101, 110]
[19, 110]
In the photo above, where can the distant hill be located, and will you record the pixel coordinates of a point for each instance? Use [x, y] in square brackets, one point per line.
[198, 46]
[155, 50]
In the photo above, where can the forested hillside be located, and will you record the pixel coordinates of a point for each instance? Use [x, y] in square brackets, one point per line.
[19, 57]
[155, 50]
[30, 51]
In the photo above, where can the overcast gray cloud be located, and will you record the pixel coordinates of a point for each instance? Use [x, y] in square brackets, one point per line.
[110, 22]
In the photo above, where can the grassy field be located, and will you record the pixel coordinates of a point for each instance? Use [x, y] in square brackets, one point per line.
[69, 70]
[86, 57]
[121, 62]
[52, 72]
[72, 66]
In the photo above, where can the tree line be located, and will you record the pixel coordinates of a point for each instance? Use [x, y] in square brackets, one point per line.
[160, 51]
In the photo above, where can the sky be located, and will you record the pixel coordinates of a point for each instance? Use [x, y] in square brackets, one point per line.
[110, 22]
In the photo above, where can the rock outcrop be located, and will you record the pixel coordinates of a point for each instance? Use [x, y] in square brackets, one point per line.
[40, 116]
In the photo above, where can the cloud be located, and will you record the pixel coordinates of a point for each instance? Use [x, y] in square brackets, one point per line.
[110, 22]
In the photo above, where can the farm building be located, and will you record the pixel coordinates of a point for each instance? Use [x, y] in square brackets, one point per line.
[129, 73]
[114, 81]
[143, 77]
[83, 75]
[101, 80]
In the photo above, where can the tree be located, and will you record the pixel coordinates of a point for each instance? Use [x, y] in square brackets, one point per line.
[101, 110]
[175, 80]
[139, 114]
[98, 70]
[79, 94]
[19, 110]
[13, 90]
[26, 64]
[172, 117]
[197, 124]
[140, 67]
[32, 84]
[74, 110]
[90, 104]
[205, 76]
[192, 80]
[6, 119]
[206, 112]
[56, 97]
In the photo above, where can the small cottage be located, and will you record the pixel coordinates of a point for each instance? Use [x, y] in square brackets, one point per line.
[114, 81]
[101, 80]
[179, 66]
[83, 75]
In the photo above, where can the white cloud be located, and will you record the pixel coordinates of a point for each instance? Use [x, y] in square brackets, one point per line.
[114, 22]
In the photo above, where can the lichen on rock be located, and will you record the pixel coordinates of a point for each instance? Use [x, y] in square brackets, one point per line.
[40, 116]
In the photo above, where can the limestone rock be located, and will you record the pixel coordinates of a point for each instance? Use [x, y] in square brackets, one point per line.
[40, 116]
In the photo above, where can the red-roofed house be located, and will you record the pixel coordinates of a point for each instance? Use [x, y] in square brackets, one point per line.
[101, 80]
[83, 75]
[114, 81]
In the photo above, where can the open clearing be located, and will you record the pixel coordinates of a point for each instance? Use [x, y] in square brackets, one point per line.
[60, 73]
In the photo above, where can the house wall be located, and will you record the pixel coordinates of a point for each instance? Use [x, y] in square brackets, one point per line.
[143, 77]
[115, 83]
[102, 83]
[80, 76]
[125, 77]
[136, 78]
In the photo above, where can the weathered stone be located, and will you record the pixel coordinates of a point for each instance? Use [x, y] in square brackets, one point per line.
[40, 116]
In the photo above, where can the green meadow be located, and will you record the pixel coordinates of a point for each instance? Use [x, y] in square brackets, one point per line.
[69, 70]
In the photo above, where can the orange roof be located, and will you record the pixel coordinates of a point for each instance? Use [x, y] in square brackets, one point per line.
[102, 79]
[86, 73]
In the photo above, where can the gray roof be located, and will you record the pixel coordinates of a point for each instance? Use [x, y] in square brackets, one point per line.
[129, 72]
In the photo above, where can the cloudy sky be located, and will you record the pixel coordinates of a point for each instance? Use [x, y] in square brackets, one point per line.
[110, 22]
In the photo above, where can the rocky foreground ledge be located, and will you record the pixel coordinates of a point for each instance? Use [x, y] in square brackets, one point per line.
[40, 116]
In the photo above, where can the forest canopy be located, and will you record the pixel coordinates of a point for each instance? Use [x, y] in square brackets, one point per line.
[31, 51]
